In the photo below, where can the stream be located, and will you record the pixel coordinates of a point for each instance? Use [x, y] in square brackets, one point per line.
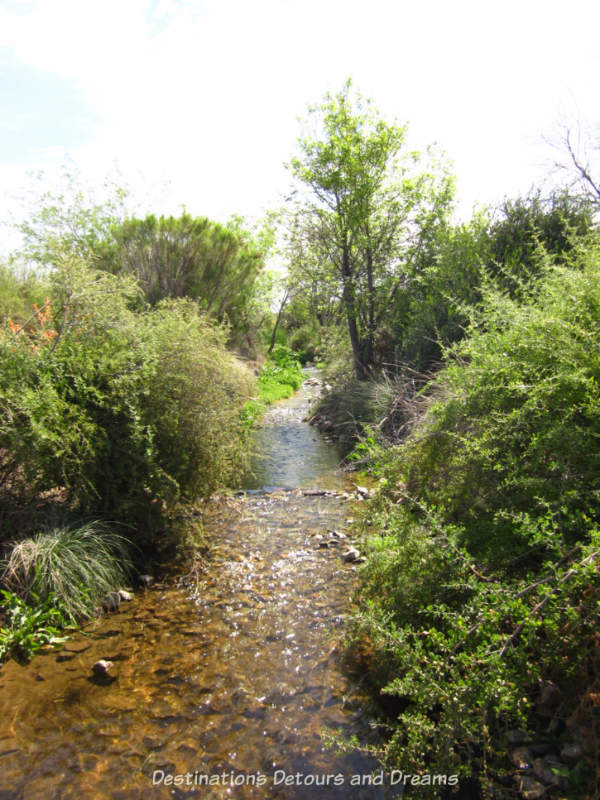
[227, 689]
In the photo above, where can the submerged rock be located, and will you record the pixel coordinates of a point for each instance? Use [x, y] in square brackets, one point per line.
[326, 543]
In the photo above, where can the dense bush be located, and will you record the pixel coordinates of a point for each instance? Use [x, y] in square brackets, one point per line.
[509, 246]
[116, 412]
[217, 265]
[483, 584]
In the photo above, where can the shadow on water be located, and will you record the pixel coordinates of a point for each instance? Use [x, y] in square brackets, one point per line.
[231, 691]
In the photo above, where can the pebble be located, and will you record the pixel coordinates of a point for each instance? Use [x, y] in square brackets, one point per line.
[351, 555]
[102, 667]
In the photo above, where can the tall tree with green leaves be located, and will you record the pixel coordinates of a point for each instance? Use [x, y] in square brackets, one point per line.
[370, 210]
[216, 265]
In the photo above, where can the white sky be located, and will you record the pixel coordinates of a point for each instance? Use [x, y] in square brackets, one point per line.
[196, 101]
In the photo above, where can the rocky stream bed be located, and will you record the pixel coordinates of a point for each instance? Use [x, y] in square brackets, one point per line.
[231, 688]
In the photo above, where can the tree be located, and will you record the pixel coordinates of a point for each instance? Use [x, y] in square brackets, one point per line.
[217, 265]
[370, 212]
[578, 158]
[71, 221]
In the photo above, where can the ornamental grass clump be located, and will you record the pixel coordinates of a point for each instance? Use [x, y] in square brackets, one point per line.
[74, 566]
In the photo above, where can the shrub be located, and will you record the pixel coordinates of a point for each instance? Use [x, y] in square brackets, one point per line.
[483, 582]
[305, 342]
[123, 414]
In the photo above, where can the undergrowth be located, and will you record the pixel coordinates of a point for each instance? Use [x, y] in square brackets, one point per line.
[482, 587]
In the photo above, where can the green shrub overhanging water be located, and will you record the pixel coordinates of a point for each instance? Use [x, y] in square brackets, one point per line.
[108, 412]
[117, 413]
[482, 584]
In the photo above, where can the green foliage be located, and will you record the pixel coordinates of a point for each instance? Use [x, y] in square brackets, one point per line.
[217, 265]
[482, 581]
[305, 342]
[281, 376]
[70, 222]
[527, 228]
[18, 291]
[373, 212]
[510, 248]
[72, 566]
[29, 628]
[517, 419]
[123, 414]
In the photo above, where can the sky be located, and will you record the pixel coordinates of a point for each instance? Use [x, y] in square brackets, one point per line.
[196, 103]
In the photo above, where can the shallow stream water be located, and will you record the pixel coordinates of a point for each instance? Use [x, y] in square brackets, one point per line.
[230, 689]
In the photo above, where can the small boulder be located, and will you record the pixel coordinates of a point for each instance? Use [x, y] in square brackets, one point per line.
[145, 580]
[125, 595]
[540, 748]
[516, 737]
[549, 700]
[102, 668]
[326, 543]
[351, 555]
[544, 772]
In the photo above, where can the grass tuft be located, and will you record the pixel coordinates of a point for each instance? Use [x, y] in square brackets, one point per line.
[76, 565]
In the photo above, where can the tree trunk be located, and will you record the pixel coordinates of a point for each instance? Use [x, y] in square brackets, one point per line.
[350, 306]
[368, 345]
[277, 321]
